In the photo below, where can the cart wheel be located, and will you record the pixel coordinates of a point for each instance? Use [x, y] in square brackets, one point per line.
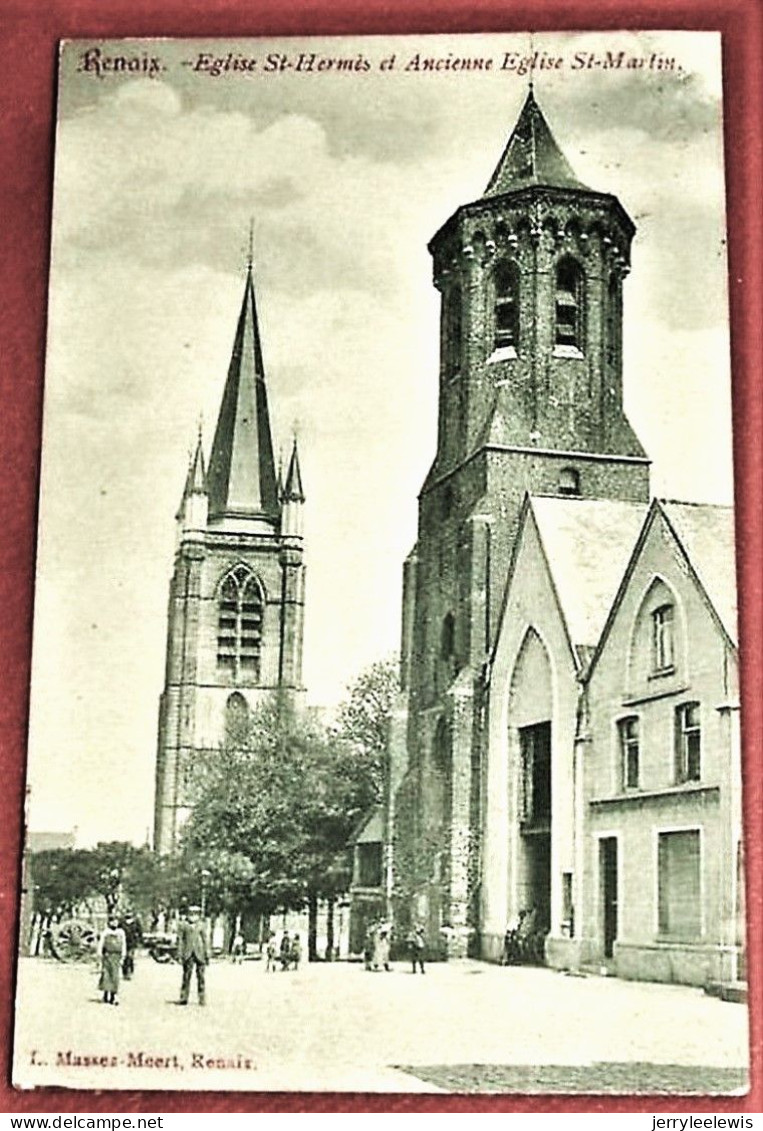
[72, 941]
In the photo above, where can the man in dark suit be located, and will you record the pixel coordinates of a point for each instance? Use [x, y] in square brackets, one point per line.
[193, 953]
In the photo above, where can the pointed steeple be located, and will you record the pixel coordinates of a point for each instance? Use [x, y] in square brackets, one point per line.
[292, 491]
[532, 156]
[196, 476]
[293, 497]
[242, 475]
[196, 484]
[186, 488]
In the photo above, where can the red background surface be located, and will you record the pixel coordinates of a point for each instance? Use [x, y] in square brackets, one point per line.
[30, 31]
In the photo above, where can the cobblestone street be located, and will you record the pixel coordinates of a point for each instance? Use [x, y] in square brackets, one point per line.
[464, 1026]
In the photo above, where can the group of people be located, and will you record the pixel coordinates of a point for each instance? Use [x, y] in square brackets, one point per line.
[376, 952]
[287, 954]
[121, 938]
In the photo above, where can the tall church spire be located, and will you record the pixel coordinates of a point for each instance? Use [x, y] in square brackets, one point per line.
[242, 474]
[237, 594]
[532, 156]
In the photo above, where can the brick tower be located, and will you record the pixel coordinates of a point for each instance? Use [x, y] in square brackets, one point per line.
[236, 601]
[530, 399]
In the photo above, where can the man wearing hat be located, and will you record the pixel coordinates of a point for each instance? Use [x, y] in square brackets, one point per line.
[193, 953]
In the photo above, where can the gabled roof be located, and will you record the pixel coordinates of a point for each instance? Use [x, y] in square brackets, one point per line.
[532, 156]
[242, 474]
[587, 543]
[370, 827]
[706, 533]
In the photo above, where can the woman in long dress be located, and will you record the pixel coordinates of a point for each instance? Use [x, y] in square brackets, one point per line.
[112, 949]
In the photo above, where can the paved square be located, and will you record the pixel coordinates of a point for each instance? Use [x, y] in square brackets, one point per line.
[463, 1026]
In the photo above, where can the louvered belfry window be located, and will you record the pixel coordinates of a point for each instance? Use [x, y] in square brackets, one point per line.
[506, 332]
[570, 305]
[239, 626]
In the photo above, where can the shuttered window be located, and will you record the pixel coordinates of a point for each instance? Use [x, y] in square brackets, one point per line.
[680, 895]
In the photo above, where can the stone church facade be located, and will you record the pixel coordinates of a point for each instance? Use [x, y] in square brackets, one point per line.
[236, 604]
[528, 519]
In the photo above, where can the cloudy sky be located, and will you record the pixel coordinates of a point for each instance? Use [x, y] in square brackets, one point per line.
[346, 177]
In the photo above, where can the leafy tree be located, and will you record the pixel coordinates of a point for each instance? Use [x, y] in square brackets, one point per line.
[274, 809]
[62, 879]
[116, 871]
[280, 798]
[362, 729]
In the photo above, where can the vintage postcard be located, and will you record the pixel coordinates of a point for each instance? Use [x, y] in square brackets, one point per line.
[385, 702]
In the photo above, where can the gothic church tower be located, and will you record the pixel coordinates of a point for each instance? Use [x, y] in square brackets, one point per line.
[236, 603]
[530, 399]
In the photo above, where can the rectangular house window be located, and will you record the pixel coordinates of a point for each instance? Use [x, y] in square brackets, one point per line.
[629, 752]
[688, 743]
[679, 892]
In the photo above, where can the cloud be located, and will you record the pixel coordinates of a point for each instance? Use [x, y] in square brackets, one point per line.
[147, 97]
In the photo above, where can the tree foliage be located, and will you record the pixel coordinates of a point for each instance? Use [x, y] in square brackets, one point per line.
[362, 728]
[280, 800]
[62, 879]
[271, 819]
[117, 871]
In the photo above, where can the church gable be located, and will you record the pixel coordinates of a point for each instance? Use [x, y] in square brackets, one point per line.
[531, 602]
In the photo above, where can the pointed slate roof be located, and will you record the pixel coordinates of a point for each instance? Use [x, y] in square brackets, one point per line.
[196, 484]
[196, 477]
[292, 491]
[242, 475]
[532, 156]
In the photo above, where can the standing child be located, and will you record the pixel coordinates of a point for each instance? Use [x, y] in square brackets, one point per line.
[270, 951]
[112, 949]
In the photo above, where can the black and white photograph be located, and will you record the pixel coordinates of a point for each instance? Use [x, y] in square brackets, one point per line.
[385, 721]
